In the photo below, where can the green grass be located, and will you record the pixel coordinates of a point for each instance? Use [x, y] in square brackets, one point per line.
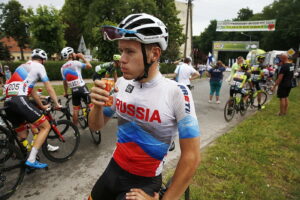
[258, 159]
[59, 89]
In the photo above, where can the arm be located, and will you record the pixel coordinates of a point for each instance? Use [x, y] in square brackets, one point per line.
[97, 119]
[115, 76]
[37, 99]
[186, 168]
[65, 87]
[51, 93]
[278, 81]
[88, 64]
[195, 75]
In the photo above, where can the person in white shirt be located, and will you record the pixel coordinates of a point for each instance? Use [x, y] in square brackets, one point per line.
[185, 73]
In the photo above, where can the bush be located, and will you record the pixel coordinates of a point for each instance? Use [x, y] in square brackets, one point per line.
[53, 68]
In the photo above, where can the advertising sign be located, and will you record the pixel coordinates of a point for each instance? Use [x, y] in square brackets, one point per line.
[235, 45]
[240, 26]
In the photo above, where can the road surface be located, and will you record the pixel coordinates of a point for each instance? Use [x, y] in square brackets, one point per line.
[74, 179]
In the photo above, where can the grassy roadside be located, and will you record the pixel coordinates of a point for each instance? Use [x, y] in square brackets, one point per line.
[258, 159]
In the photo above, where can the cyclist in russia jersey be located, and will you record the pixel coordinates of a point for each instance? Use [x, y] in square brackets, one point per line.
[72, 78]
[24, 79]
[19, 109]
[151, 111]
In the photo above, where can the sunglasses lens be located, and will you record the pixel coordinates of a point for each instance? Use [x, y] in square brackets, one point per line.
[111, 33]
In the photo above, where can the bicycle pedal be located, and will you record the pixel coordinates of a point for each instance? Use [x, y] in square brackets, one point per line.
[29, 170]
[46, 168]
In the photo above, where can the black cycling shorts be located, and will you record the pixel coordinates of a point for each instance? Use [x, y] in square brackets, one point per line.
[235, 89]
[21, 110]
[115, 182]
[79, 93]
[257, 85]
[283, 92]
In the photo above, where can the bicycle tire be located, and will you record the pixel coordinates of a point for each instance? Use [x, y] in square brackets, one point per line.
[229, 110]
[12, 171]
[68, 106]
[4, 134]
[66, 149]
[96, 135]
[263, 99]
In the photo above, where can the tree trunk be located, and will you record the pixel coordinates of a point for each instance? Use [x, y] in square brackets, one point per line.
[22, 53]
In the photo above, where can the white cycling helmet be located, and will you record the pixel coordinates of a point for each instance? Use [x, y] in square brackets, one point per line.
[65, 52]
[141, 27]
[39, 53]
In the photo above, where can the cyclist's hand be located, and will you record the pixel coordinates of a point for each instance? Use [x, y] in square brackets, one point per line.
[98, 95]
[45, 107]
[138, 194]
[80, 55]
[58, 106]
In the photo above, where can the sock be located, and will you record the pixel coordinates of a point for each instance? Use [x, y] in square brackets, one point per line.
[32, 155]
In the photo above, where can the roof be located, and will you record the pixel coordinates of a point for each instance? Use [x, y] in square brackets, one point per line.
[13, 45]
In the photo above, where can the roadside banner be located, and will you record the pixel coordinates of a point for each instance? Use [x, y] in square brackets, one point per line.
[240, 26]
[235, 45]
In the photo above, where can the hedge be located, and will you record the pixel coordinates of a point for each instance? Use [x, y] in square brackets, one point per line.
[53, 68]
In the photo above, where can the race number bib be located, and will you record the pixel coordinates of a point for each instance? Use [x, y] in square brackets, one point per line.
[74, 83]
[255, 77]
[237, 83]
[14, 87]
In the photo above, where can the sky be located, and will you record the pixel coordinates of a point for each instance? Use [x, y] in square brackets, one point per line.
[203, 12]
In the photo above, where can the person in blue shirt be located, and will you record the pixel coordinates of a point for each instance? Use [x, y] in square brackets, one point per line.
[216, 77]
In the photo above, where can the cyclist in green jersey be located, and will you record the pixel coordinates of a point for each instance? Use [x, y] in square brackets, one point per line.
[257, 75]
[240, 78]
[108, 69]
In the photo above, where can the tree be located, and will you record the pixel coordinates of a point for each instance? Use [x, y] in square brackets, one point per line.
[13, 25]
[244, 14]
[74, 14]
[4, 52]
[47, 29]
[168, 14]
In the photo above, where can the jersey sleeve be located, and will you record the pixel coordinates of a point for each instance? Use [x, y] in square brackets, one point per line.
[80, 65]
[43, 74]
[185, 114]
[62, 74]
[176, 70]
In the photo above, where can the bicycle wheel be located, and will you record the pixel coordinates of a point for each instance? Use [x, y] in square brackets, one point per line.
[243, 108]
[96, 135]
[263, 99]
[82, 118]
[229, 110]
[67, 147]
[12, 170]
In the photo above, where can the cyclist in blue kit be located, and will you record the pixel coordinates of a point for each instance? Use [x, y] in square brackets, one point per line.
[151, 110]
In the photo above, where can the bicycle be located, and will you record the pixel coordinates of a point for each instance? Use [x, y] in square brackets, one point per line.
[83, 119]
[252, 100]
[234, 105]
[267, 86]
[13, 154]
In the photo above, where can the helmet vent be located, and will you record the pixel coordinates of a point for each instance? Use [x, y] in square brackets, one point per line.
[128, 20]
[139, 23]
[150, 31]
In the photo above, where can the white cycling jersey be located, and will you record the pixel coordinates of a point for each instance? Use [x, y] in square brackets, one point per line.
[71, 72]
[149, 117]
[24, 78]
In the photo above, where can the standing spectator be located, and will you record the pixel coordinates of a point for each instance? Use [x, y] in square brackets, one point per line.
[7, 72]
[284, 83]
[185, 73]
[216, 77]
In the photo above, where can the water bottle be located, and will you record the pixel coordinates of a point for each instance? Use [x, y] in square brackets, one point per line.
[27, 145]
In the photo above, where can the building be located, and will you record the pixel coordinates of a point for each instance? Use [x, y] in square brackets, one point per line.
[182, 8]
[15, 50]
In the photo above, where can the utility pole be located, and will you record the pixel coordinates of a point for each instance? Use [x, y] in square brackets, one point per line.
[188, 17]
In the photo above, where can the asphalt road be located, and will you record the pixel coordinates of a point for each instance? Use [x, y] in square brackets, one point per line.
[75, 178]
